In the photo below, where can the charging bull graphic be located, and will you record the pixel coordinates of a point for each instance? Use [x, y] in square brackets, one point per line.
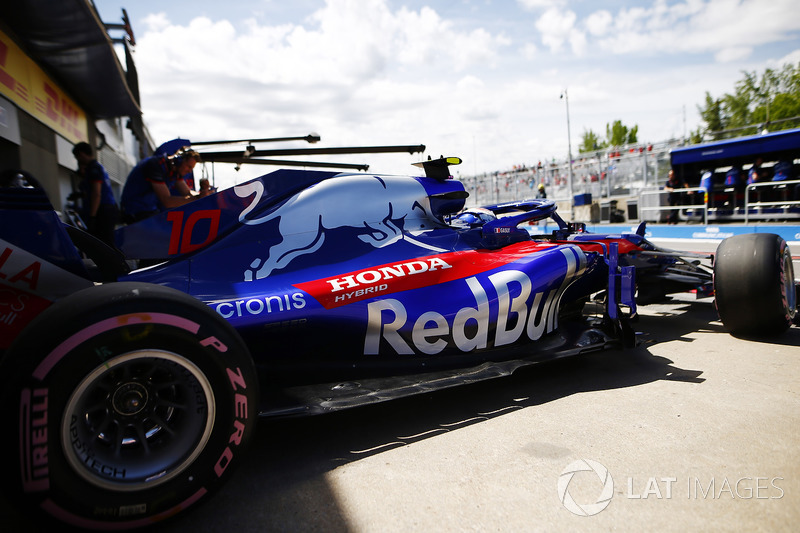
[382, 207]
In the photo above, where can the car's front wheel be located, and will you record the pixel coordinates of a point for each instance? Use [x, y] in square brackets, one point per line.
[132, 402]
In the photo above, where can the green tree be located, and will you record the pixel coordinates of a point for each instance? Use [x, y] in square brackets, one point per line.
[770, 101]
[590, 142]
[712, 117]
[696, 136]
[617, 134]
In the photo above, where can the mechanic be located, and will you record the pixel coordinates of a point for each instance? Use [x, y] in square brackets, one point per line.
[735, 183]
[707, 184]
[674, 197]
[157, 183]
[99, 207]
[205, 185]
[756, 173]
[783, 171]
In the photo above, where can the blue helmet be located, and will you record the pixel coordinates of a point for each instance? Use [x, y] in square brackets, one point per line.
[473, 218]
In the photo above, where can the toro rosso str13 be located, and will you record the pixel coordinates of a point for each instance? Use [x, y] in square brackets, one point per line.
[134, 391]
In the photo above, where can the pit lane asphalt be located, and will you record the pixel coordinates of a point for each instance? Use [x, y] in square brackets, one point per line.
[698, 430]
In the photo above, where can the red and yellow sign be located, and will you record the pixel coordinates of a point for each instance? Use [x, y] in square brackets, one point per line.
[25, 84]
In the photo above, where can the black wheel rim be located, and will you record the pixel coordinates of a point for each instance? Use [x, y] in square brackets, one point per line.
[138, 420]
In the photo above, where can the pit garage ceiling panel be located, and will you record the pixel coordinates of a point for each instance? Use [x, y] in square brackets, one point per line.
[68, 39]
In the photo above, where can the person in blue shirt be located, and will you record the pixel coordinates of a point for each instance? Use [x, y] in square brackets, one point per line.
[782, 170]
[756, 173]
[736, 180]
[707, 184]
[99, 207]
[156, 184]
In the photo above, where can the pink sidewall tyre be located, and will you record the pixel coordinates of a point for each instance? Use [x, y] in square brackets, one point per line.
[130, 402]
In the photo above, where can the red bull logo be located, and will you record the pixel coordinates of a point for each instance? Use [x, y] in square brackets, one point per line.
[380, 209]
[519, 310]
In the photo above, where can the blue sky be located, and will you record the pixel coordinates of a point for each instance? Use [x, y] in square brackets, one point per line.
[479, 79]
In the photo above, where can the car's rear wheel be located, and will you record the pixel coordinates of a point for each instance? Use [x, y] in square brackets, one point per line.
[754, 284]
[133, 401]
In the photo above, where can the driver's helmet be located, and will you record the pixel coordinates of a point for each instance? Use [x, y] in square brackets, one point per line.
[474, 217]
[17, 179]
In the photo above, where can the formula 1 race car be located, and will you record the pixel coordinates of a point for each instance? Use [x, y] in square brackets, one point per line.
[130, 392]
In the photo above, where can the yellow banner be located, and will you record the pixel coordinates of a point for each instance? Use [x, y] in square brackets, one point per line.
[25, 84]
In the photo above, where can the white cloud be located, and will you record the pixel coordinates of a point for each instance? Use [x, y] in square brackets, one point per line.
[556, 27]
[792, 58]
[599, 22]
[733, 53]
[578, 42]
[367, 73]
[540, 4]
[355, 72]
[477, 103]
[156, 21]
[725, 28]
[529, 51]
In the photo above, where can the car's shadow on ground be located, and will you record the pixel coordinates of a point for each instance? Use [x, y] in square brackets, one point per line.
[282, 484]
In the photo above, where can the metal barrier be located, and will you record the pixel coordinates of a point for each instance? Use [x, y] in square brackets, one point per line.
[686, 192]
[774, 185]
[615, 172]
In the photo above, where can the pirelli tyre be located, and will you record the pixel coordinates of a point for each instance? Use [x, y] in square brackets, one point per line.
[754, 284]
[129, 403]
